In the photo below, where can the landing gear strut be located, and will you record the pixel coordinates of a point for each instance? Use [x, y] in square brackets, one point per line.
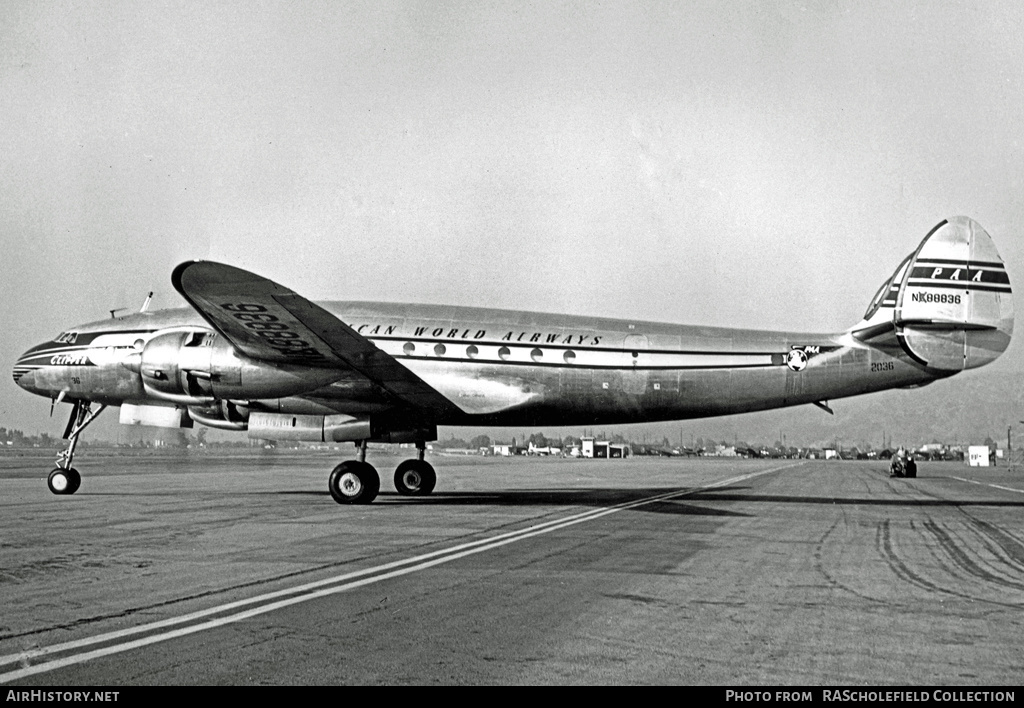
[357, 482]
[64, 479]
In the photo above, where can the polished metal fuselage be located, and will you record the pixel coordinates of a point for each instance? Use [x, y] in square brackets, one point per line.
[502, 367]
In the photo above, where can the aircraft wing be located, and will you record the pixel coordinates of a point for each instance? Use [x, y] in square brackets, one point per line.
[268, 322]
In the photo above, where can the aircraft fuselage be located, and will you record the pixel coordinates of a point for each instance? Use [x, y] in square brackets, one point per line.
[509, 368]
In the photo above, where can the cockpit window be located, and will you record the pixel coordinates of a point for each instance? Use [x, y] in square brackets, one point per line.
[66, 337]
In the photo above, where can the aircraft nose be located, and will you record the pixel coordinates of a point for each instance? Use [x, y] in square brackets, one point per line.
[25, 367]
[24, 376]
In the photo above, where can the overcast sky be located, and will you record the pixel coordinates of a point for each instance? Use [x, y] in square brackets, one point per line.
[749, 164]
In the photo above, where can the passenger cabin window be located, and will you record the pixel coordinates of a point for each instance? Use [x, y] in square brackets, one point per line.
[504, 353]
[439, 349]
[472, 351]
[409, 348]
[536, 354]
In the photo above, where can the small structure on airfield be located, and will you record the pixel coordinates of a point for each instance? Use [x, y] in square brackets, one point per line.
[604, 449]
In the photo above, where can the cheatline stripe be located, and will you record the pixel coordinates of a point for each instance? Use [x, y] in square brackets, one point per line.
[958, 285]
[962, 264]
[45, 350]
[321, 588]
[45, 353]
[577, 366]
[976, 275]
[46, 361]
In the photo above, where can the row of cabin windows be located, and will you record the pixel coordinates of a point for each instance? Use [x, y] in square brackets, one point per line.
[504, 353]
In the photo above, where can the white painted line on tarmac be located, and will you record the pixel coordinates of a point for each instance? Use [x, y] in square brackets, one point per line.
[986, 484]
[270, 602]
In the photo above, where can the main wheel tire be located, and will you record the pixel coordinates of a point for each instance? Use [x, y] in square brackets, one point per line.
[64, 481]
[354, 482]
[415, 478]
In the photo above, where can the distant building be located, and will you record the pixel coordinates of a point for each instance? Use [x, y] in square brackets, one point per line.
[978, 455]
[603, 449]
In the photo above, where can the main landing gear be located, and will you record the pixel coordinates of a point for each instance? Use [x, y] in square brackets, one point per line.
[357, 482]
[64, 479]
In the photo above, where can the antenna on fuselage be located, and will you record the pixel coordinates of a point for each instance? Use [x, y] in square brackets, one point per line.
[55, 401]
[145, 306]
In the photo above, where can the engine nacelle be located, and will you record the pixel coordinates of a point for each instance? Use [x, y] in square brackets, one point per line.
[197, 367]
[314, 428]
[334, 428]
[175, 366]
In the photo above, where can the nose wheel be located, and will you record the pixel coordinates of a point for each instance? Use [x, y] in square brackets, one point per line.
[64, 481]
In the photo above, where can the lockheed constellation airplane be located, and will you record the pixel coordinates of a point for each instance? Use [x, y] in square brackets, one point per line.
[251, 354]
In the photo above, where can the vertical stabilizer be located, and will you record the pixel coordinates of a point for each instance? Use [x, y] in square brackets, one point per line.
[949, 304]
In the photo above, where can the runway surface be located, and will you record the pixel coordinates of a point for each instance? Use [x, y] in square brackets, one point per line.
[240, 569]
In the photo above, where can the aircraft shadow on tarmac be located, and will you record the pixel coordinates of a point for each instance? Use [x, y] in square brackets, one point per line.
[609, 497]
[602, 498]
[598, 498]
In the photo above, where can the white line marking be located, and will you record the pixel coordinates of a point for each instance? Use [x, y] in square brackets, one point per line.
[318, 589]
[986, 484]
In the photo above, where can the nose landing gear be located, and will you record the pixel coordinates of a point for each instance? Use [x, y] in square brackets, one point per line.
[64, 479]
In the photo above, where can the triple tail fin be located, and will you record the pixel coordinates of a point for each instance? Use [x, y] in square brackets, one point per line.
[948, 306]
